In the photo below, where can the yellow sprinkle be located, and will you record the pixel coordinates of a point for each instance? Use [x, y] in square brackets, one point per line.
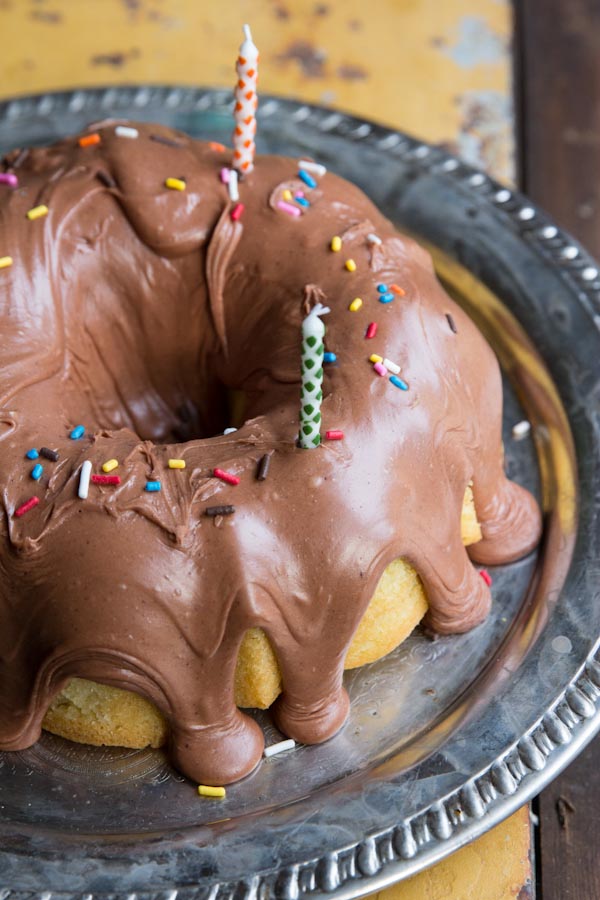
[109, 465]
[287, 195]
[5, 262]
[374, 358]
[176, 184]
[336, 243]
[177, 463]
[356, 304]
[351, 265]
[37, 212]
[205, 791]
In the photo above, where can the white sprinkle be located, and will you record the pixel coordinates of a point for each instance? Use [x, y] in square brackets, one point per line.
[310, 166]
[84, 480]
[229, 430]
[373, 239]
[274, 749]
[126, 132]
[521, 430]
[392, 366]
[232, 185]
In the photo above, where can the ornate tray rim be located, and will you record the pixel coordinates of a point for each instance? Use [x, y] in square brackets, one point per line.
[563, 730]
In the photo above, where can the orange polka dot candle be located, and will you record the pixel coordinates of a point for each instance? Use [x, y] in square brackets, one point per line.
[246, 102]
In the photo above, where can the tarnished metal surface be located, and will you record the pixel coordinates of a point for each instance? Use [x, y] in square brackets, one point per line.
[445, 738]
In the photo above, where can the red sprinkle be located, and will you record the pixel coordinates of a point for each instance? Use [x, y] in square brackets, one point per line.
[25, 507]
[486, 576]
[226, 476]
[106, 479]
[371, 330]
[397, 290]
[236, 212]
[334, 435]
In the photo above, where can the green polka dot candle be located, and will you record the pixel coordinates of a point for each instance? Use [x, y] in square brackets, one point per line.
[311, 396]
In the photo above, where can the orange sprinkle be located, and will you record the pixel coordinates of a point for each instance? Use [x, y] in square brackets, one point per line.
[89, 140]
[215, 145]
[397, 290]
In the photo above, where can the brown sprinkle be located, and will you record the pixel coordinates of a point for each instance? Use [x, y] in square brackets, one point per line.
[451, 323]
[106, 179]
[213, 511]
[169, 142]
[49, 454]
[263, 467]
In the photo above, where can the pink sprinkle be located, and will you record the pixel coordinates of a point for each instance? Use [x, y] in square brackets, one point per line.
[225, 176]
[299, 194]
[288, 208]
[25, 507]
[334, 435]
[236, 212]
[228, 477]
[371, 330]
[9, 178]
[380, 368]
[486, 576]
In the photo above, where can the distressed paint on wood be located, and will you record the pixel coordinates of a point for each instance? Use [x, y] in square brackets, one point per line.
[440, 70]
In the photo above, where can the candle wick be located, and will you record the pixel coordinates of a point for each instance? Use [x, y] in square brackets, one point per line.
[247, 32]
[319, 310]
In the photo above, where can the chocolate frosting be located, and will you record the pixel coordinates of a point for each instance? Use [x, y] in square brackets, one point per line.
[140, 312]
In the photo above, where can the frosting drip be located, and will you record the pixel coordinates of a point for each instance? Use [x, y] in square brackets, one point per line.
[137, 310]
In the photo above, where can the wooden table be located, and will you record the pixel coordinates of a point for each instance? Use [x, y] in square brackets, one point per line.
[441, 69]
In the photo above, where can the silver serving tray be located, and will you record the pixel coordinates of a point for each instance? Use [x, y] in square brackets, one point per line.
[446, 737]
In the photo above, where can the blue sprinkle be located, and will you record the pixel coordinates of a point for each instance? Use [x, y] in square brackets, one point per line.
[78, 432]
[386, 298]
[398, 382]
[329, 358]
[32, 454]
[302, 201]
[306, 178]
[36, 472]
[152, 486]
[382, 288]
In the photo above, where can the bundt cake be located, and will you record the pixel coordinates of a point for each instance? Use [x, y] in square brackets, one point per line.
[161, 569]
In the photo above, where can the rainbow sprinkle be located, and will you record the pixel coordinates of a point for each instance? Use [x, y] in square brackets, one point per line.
[37, 472]
[78, 432]
[37, 212]
[152, 487]
[5, 262]
[308, 180]
[309, 166]
[84, 479]
[9, 179]
[355, 305]
[89, 140]
[288, 208]
[177, 463]
[109, 465]
[32, 454]
[350, 265]
[398, 382]
[206, 790]
[175, 184]
[25, 507]
[336, 243]
[126, 132]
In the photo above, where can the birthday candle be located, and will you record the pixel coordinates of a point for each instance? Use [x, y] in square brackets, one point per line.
[311, 394]
[246, 102]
